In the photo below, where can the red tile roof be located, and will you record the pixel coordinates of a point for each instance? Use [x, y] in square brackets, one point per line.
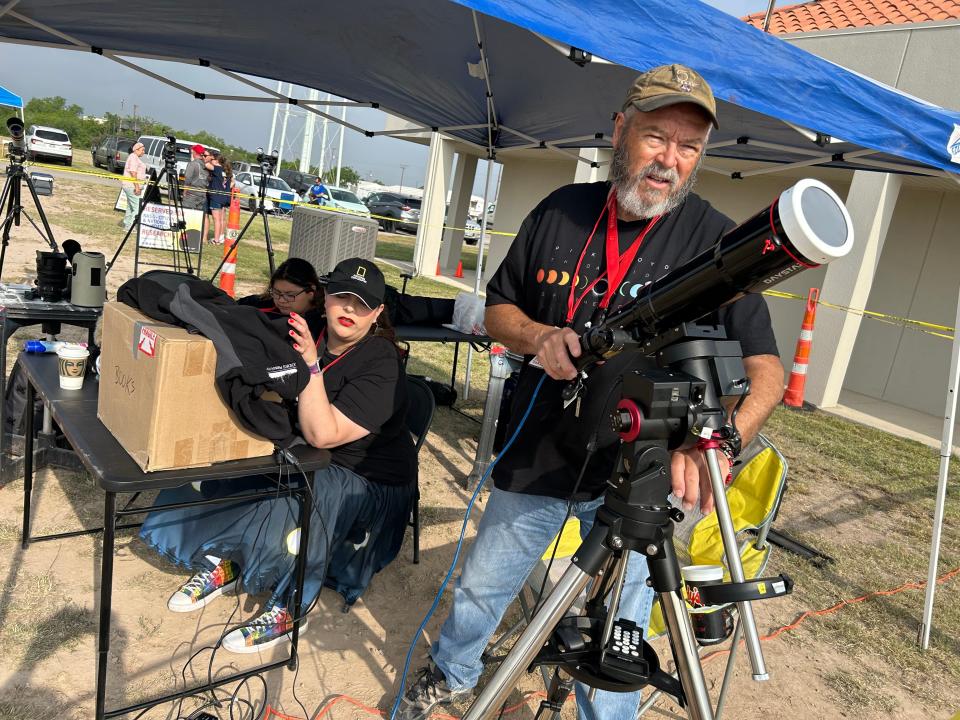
[838, 14]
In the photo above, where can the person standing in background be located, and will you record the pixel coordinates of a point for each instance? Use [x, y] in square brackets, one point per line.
[218, 197]
[136, 170]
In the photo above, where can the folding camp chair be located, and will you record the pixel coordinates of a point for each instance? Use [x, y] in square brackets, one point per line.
[754, 497]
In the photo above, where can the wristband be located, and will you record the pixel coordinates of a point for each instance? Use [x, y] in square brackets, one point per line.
[315, 368]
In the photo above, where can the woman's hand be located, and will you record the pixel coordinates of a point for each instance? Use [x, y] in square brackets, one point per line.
[303, 341]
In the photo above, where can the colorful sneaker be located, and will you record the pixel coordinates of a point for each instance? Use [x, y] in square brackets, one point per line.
[427, 692]
[272, 627]
[204, 587]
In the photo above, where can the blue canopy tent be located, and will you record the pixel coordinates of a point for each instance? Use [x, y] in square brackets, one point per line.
[544, 74]
[8, 99]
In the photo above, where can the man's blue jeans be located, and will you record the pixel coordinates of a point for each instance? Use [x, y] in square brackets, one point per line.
[514, 532]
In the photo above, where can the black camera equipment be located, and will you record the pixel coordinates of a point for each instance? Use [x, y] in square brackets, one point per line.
[178, 225]
[10, 198]
[53, 277]
[675, 400]
[268, 164]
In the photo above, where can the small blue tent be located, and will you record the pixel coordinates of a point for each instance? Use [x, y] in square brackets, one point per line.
[8, 99]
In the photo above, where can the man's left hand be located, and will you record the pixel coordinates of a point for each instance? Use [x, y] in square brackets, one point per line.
[690, 478]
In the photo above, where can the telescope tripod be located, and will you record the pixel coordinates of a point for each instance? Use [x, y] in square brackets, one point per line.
[13, 209]
[151, 193]
[261, 211]
[663, 409]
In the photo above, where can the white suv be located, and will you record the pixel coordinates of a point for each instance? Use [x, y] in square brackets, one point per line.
[48, 142]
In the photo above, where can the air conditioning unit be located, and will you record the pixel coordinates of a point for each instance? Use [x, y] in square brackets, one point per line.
[325, 238]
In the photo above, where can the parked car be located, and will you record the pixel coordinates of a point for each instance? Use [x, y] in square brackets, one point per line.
[153, 152]
[299, 181]
[48, 142]
[343, 199]
[279, 196]
[111, 152]
[241, 166]
[471, 232]
[397, 212]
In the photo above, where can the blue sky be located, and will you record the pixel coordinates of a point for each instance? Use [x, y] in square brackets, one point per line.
[99, 86]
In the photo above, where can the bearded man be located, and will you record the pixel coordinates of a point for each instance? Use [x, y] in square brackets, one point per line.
[582, 253]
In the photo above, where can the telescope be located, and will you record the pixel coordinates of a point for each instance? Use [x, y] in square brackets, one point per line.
[17, 143]
[805, 227]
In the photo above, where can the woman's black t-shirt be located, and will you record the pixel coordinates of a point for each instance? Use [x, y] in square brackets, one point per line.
[368, 385]
[537, 275]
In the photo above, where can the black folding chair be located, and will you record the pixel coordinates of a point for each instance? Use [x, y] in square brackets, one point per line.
[420, 408]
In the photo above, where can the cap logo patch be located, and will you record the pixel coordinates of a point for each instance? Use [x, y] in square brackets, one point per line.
[360, 274]
[685, 83]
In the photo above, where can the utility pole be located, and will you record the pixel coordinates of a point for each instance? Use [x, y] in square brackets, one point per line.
[273, 123]
[323, 138]
[283, 132]
[306, 150]
[403, 169]
[343, 129]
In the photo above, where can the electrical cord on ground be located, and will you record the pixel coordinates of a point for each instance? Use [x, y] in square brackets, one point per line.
[456, 552]
[947, 576]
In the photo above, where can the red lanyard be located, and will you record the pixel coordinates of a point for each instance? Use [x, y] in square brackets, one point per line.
[338, 358]
[617, 264]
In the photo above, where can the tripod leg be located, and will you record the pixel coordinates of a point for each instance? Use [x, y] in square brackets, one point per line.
[750, 634]
[41, 213]
[554, 606]
[266, 235]
[233, 247]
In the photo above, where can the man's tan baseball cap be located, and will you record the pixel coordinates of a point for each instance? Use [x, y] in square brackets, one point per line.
[671, 85]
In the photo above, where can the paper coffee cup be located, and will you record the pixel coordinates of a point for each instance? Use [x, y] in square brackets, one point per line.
[696, 575]
[73, 366]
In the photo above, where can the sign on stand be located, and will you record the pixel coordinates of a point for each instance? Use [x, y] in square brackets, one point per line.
[157, 228]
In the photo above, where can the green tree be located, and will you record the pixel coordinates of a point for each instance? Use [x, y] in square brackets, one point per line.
[348, 176]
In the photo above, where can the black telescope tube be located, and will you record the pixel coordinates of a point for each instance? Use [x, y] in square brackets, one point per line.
[805, 227]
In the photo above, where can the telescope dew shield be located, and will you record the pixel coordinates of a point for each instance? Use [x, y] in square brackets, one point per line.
[88, 288]
[805, 227]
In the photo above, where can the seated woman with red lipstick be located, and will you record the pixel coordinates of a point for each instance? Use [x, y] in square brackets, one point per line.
[355, 405]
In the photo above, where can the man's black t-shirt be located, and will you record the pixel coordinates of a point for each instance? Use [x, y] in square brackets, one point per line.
[368, 385]
[537, 275]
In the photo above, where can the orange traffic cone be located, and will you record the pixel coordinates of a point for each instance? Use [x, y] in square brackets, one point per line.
[228, 274]
[438, 268]
[459, 272]
[793, 397]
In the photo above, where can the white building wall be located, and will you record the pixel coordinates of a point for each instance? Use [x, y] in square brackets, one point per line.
[917, 278]
[526, 181]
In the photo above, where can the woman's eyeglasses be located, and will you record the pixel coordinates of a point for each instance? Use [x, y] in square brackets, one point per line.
[287, 296]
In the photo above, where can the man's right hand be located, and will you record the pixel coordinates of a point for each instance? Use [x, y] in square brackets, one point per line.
[555, 346]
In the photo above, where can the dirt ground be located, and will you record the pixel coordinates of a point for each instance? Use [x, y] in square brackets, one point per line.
[48, 604]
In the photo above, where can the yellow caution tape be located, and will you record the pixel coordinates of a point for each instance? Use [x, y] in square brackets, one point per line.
[941, 331]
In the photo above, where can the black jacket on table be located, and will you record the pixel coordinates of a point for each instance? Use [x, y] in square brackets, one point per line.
[253, 354]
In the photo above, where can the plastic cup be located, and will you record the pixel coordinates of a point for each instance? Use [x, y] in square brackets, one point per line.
[696, 575]
[73, 366]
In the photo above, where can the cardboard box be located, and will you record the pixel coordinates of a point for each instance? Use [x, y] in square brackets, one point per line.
[158, 398]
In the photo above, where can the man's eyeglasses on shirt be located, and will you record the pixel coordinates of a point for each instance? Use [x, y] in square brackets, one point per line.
[286, 296]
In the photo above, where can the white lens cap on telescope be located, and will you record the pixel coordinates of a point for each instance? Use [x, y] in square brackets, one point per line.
[816, 221]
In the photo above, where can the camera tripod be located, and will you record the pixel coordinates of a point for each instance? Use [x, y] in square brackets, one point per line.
[260, 210]
[674, 404]
[12, 207]
[151, 195]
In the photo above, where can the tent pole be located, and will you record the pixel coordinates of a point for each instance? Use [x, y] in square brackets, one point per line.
[476, 282]
[946, 451]
[343, 129]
